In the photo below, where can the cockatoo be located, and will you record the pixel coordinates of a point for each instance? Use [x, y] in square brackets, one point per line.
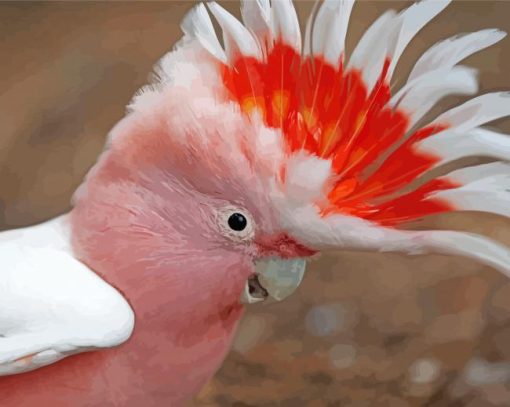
[241, 160]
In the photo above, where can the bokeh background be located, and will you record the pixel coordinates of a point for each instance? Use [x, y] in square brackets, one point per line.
[364, 329]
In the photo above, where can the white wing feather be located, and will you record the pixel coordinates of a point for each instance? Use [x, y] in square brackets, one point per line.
[51, 304]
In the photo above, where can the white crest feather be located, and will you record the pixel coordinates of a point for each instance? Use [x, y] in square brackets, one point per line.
[468, 245]
[310, 22]
[451, 51]
[487, 194]
[478, 172]
[352, 233]
[286, 23]
[330, 29]
[257, 18]
[236, 37]
[335, 42]
[477, 142]
[413, 19]
[477, 111]
[368, 42]
[197, 24]
[320, 27]
[417, 97]
[371, 51]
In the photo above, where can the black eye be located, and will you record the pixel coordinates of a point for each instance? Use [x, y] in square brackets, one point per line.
[237, 222]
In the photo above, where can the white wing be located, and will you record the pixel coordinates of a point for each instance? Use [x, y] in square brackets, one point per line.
[51, 304]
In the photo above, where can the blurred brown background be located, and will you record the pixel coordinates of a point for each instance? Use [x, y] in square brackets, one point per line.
[364, 329]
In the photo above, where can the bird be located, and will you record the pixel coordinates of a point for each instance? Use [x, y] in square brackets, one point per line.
[244, 157]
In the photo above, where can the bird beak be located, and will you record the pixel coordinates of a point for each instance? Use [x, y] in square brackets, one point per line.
[274, 277]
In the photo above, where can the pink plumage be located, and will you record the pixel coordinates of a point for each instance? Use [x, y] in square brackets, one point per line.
[256, 152]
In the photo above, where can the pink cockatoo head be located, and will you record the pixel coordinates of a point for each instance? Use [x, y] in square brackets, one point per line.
[187, 183]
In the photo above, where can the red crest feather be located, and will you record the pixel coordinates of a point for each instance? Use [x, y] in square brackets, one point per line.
[329, 112]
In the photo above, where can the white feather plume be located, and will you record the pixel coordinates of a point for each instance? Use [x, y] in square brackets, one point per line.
[330, 29]
[413, 19]
[366, 45]
[449, 52]
[469, 245]
[454, 145]
[488, 194]
[256, 16]
[474, 173]
[236, 37]
[286, 23]
[197, 24]
[417, 97]
[346, 232]
[477, 111]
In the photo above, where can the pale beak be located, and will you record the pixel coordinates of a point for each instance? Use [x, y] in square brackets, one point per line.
[275, 277]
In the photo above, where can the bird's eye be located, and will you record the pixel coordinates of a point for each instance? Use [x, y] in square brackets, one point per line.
[237, 222]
